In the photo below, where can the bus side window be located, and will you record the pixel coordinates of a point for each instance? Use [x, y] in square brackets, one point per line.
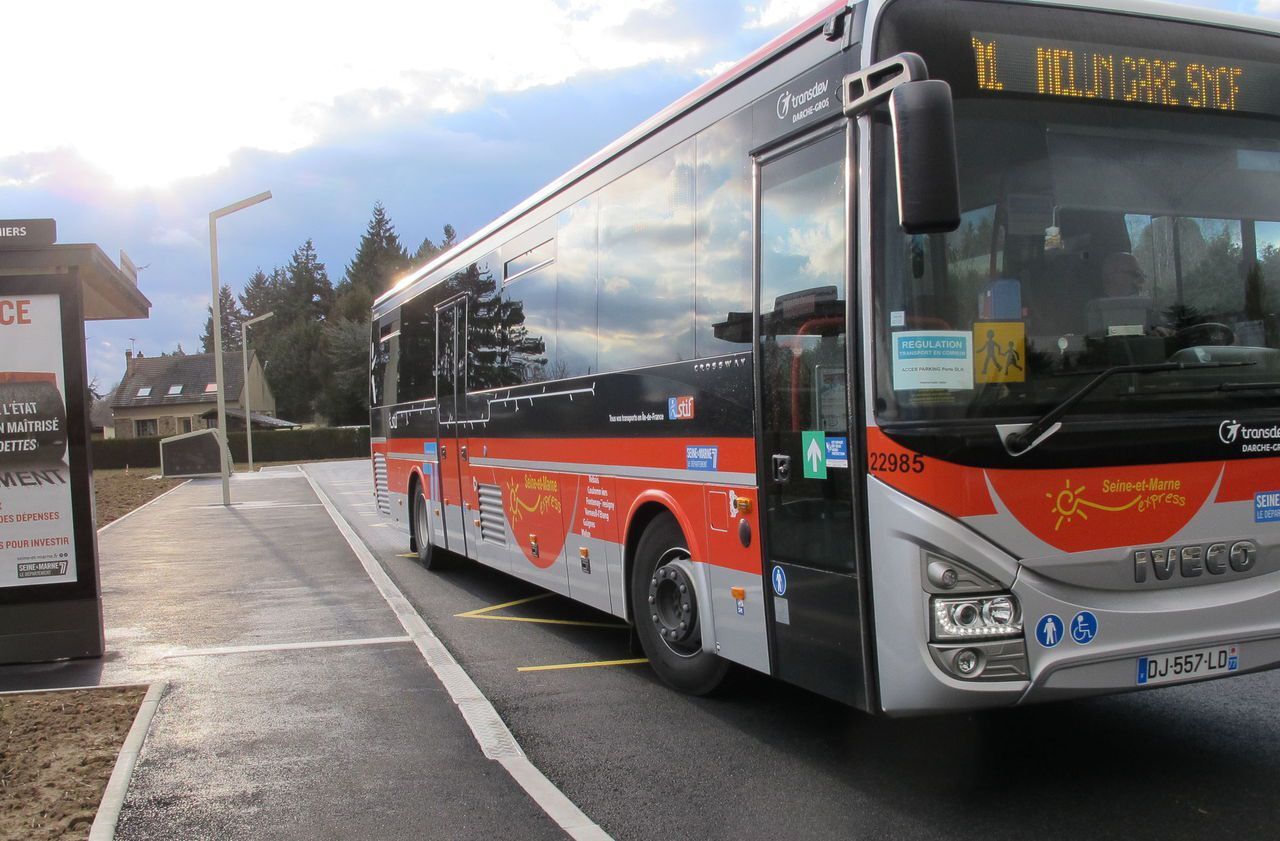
[527, 333]
[722, 287]
[576, 264]
[415, 378]
[647, 233]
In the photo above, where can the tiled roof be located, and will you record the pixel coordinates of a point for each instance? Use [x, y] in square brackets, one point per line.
[100, 413]
[193, 372]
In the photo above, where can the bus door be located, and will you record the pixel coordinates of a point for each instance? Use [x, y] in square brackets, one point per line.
[806, 446]
[451, 395]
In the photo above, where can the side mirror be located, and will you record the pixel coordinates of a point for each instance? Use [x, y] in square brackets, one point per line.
[924, 135]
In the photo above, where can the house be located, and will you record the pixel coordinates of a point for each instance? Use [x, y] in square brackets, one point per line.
[170, 395]
[100, 423]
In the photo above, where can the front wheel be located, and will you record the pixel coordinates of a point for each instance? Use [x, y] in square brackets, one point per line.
[428, 554]
[664, 603]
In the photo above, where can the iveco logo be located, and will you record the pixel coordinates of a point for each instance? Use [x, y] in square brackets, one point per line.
[784, 105]
[1228, 430]
[1193, 561]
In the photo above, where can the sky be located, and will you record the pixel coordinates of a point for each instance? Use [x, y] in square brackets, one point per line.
[141, 117]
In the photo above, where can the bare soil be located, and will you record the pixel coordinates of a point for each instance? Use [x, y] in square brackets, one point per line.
[120, 491]
[57, 751]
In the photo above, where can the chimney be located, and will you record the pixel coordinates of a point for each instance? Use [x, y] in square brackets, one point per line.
[128, 362]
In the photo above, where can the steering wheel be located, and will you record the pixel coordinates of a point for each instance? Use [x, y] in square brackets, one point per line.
[1207, 333]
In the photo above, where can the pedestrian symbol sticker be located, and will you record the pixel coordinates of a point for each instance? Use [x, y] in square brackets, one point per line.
[1049, 630]
[999, 352]
[1084, 627]
[813, 452]
[779, 581]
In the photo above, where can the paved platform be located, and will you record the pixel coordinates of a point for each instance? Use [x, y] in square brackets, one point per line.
[297, 706]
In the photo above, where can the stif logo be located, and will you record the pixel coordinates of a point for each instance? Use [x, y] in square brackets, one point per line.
[680, 408]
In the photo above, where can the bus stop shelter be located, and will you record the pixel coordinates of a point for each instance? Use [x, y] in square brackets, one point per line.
[50, 593]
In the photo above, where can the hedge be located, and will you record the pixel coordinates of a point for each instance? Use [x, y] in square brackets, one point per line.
[268, 445]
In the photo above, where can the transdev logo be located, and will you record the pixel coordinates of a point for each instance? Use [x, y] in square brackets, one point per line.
[680, 408]
[1252, 439]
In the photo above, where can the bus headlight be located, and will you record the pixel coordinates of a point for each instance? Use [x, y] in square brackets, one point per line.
[977, 616]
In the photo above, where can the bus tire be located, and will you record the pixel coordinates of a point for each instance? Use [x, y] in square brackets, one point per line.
[428, 554]
[665, 606]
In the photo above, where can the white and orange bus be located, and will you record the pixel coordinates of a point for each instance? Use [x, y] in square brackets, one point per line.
[929, 359]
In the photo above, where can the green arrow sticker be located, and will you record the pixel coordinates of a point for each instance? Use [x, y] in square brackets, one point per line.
[813, 452]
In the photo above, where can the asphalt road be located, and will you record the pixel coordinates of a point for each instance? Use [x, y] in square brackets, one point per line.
[764, 760]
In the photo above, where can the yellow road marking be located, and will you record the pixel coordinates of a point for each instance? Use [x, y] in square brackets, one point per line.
[632, 662]
[408, 555]
[537, 621]
[488, 613]
[481, 611]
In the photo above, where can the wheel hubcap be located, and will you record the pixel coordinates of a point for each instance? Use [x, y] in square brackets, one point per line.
[673, 606]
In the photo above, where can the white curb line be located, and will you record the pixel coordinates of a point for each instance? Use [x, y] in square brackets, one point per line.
[104, 823]
[152, 501]
[490, 731]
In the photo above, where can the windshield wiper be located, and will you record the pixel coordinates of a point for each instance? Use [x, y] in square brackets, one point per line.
[1019, 442]
[1207, 389]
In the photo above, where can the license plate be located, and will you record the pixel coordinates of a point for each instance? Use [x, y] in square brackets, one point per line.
[1188, 665]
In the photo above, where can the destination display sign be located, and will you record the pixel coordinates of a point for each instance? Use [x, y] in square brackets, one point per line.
[1091, 71]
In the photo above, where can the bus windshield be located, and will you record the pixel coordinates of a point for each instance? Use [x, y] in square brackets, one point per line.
[1092, 236]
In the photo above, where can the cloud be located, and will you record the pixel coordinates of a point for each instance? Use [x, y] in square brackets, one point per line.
[164, 106]
[778, 14]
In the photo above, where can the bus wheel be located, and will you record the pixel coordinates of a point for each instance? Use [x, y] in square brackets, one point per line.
[665, 605]
[428, 555]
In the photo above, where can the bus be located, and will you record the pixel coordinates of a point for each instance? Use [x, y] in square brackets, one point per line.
[927, 359]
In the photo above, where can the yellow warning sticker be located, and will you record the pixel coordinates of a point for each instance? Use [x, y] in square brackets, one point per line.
[999, 352]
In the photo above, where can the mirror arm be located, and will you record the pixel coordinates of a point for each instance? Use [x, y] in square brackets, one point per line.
[872, 85]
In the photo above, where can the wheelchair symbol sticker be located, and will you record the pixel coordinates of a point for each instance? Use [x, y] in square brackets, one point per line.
[1084, 627]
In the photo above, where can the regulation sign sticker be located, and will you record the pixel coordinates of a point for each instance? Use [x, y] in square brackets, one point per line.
[1049, 630]
[837, 452]
[813, 452]
[924, 359]
[1084, 627]
[779, 578]
[1266, 507]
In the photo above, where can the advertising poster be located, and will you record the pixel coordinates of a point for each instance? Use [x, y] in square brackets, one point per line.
[37, 537]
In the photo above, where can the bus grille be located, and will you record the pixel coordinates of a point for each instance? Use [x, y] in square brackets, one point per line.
[492, 522]
[380, 484]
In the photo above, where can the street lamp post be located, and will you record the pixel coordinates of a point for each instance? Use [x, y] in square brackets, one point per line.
[217, 331]
[244, 347]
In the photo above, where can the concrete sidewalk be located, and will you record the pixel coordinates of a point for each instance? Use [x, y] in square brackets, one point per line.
[297, 706]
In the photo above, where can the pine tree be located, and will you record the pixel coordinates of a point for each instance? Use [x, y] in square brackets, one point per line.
[428, 251]
[297, 368]
[307, 292]
[232, 317]
[379, 259]
[261, 293]
[344, 398]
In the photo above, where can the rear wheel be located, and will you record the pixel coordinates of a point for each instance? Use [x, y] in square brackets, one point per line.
[665, 605]
[428, 554]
